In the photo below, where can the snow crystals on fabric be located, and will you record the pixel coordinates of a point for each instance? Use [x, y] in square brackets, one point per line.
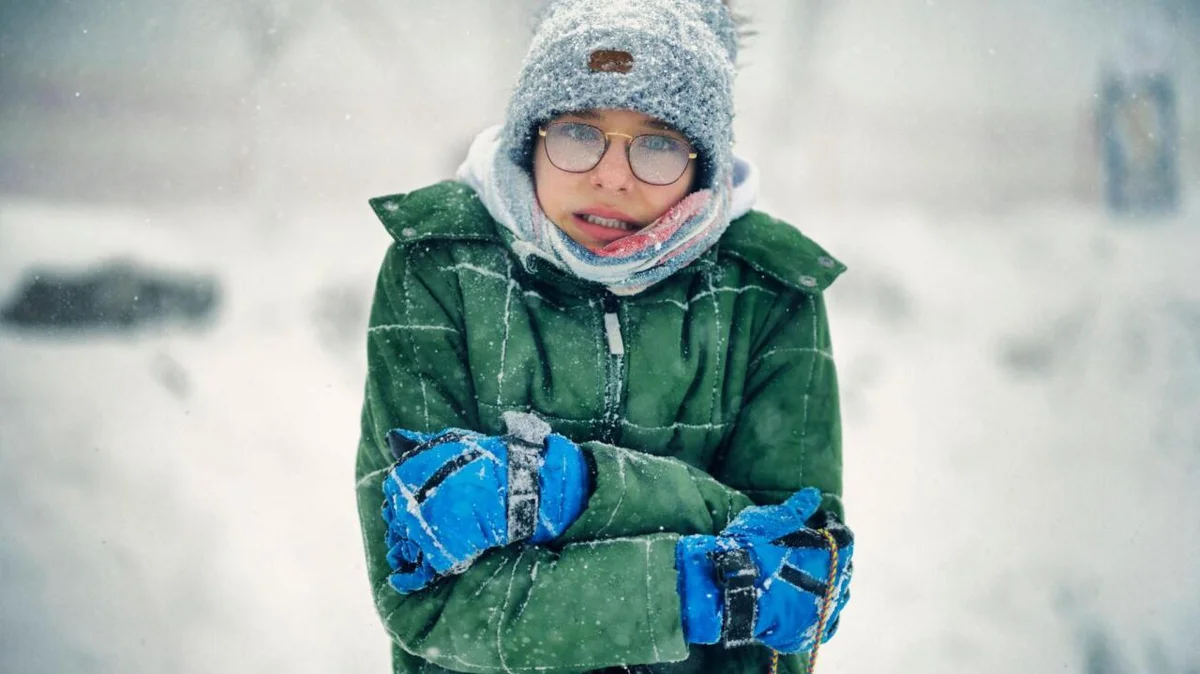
[526, 426]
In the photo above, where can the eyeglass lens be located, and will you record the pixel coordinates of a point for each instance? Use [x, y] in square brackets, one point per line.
[655, 159]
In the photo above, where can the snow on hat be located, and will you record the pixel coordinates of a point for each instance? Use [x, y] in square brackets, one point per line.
[669, 59]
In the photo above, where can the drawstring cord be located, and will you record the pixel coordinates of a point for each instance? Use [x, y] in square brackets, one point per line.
[826, 604]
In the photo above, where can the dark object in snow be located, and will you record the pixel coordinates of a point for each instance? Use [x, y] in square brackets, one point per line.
[117, 294]
[1140, 133]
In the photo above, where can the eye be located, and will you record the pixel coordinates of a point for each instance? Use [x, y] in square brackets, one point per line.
[657, 143]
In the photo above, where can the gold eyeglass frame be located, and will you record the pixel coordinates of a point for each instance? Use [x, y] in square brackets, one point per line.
[692, 154]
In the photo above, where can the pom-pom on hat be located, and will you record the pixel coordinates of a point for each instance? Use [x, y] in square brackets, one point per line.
[669, 59]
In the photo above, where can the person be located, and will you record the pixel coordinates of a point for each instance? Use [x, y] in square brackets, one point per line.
[601, 427]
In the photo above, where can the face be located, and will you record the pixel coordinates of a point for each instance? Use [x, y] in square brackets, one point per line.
[607, 203]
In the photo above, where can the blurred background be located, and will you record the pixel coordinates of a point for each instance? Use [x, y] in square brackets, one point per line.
[187, 257]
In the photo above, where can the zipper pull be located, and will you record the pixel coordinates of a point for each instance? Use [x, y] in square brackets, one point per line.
[612, 326]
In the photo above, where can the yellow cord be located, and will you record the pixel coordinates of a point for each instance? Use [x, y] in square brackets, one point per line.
[826, 604]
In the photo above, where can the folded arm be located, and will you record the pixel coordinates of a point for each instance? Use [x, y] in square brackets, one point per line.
[612, 569]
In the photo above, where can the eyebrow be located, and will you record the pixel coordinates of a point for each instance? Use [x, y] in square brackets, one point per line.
[651, 123]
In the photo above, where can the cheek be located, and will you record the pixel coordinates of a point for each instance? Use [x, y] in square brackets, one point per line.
[668, 195]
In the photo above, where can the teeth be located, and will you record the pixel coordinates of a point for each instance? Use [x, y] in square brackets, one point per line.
[607, 222]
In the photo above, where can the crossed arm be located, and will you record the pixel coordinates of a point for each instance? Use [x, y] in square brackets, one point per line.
[613, 568]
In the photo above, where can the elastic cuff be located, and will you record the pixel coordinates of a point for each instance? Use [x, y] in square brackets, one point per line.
[699, 595]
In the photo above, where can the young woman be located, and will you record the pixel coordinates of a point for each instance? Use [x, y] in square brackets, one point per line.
[601, 428]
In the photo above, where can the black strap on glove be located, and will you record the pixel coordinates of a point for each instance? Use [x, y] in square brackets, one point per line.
[524, 460]
[403, 448]
[735, 574]
[813, 538]
[526, 441]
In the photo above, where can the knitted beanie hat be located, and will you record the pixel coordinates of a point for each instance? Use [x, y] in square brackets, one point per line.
[669, 59]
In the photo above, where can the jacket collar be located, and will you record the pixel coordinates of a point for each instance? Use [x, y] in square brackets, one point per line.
[782, 252]
[452, 210]
[446, 210]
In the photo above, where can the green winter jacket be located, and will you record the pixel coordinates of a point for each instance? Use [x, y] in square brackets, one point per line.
[709, 391]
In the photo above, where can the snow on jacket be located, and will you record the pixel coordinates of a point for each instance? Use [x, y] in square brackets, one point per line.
[711, 390]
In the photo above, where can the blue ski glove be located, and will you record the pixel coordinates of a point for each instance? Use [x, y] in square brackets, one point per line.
[410, 570]
[764, 578]
[455, 494]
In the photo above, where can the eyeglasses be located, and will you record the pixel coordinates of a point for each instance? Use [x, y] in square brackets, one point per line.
[654, 158]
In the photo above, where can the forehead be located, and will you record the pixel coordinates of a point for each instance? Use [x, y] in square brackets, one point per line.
[615, 120]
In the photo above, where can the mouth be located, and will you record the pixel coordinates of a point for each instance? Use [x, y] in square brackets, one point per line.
[599, 226]
[608, 223]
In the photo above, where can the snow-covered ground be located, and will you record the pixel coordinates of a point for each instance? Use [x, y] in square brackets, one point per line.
[1020, 371]
[1021, 442]
[182, 501]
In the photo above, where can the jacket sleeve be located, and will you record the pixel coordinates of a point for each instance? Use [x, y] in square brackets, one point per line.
[521, 607]
[788, 433]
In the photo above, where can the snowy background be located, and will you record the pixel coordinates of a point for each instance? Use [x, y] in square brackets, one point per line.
[1020, 369]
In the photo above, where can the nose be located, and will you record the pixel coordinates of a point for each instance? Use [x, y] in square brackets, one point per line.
[613, 171]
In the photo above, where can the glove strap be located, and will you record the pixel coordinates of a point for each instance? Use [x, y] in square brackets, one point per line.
[404, 448]
[526, 439]
[524, 460]
[735, 574]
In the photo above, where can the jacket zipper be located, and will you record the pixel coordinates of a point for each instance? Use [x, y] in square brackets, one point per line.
[615, 360]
